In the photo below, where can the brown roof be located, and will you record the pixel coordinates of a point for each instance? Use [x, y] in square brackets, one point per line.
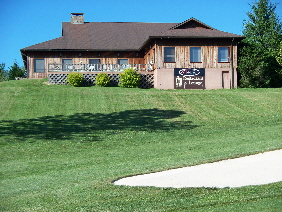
[191, 23]
[131, 36]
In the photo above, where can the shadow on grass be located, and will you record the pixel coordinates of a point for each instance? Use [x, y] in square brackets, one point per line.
[93, 125]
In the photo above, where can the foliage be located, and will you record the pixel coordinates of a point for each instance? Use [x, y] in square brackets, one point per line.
[75, 79]
[3, 72]
[103, 80]
[16, 71]
[129, 78]
[279, 54]
[258, 66]
[61, 147]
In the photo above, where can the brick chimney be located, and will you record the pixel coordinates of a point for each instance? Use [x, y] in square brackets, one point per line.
[77, 18]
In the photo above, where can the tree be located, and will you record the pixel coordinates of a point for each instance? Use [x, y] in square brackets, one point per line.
[3, 72]
[16, 71]
[258, 66]
[279, 54]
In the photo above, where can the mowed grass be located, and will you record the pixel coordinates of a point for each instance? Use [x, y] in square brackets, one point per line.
[62, 146]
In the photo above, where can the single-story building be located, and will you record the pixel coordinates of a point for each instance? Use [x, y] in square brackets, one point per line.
[187, 55]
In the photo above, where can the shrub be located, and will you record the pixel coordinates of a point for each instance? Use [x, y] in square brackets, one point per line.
[103, 80]
[75, 79]
[129, 78]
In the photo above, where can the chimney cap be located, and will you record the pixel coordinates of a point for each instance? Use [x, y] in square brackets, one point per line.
[77, 14]
[77, 18]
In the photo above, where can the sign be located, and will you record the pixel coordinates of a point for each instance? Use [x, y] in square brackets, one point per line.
[189, 78]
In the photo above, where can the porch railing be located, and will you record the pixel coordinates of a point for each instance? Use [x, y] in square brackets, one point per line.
[69, 67]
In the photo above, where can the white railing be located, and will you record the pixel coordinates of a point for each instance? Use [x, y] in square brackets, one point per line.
[67, 67]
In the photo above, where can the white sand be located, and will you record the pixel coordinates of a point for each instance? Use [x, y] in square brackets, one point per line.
[259, 169]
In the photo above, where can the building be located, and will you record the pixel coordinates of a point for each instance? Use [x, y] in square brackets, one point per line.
[187, 55]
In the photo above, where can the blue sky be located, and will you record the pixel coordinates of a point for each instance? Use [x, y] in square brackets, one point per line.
[27, 22]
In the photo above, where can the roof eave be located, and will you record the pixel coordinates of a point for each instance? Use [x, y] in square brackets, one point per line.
[23, 50]
[240, 37]
[192, 37]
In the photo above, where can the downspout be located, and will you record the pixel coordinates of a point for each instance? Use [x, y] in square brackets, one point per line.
[232, 65]
[155, 54]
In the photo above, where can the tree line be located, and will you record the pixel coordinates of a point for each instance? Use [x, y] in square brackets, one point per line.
[12, 73]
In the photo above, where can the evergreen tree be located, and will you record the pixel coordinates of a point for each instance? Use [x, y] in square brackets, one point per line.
[279, 54]
[3, 72]
[258, 66]
[16, 71]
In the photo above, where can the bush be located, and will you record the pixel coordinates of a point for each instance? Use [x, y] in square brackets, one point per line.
[129, 78]
[75, 79]
[103, 80]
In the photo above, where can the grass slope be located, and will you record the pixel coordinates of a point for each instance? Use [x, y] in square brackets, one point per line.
[62, 146]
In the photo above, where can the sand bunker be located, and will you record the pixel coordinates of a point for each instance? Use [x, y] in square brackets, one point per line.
[259, 169]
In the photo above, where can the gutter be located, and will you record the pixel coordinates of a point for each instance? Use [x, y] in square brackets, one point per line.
[77, 50]
[232, 65]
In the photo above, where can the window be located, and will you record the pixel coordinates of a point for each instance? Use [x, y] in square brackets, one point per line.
[223, 54]
[169, 54]
[68, 61]
[122, 61]
[195, 54]
[39, 66]
[123, 64]
[94, 61]
[94, 64]
[67, 65]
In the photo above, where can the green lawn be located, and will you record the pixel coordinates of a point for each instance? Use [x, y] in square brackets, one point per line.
[62, 146]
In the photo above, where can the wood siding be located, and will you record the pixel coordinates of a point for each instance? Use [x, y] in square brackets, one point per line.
[209, 53]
